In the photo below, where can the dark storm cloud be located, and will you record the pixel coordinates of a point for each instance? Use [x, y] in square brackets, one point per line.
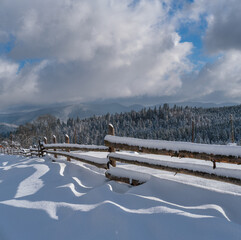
[224, 31]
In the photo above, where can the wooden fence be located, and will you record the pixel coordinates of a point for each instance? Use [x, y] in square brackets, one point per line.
[213, 153]
[64, 149]
[11, 151]
[146, 148]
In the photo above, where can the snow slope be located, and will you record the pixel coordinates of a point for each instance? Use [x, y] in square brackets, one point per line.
[41, 199]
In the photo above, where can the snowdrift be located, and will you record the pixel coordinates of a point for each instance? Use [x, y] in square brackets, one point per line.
[41, 199]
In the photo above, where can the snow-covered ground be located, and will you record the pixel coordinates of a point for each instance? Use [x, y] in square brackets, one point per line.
[41, 199]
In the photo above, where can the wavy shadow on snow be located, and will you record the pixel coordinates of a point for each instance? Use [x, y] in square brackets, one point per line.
[78, 196]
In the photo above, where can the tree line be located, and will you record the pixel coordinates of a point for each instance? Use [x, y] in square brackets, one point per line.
[211, 126]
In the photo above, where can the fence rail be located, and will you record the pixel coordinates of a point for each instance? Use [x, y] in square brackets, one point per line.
[213, 153]
[10, 151]
[162, 165]
[217, 153]
[98, 162]
[76, 147]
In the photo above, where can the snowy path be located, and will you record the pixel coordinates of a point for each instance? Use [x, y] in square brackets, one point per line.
[40, 199]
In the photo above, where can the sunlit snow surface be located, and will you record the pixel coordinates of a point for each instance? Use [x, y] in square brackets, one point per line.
[41, 199]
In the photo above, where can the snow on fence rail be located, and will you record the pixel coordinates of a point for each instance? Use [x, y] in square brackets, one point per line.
[10, 150]
[76, 147]
[217, 153]
[98, 162]
[214, 153]
[127, 176]
[63, 149]
[199, 170]
[67, 147]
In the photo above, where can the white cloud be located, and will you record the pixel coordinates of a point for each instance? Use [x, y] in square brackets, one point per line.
[223, 23]
[217, 82]
[97, 49]
[220, 80]
[225, 75]
[110, 48]
[17, 86]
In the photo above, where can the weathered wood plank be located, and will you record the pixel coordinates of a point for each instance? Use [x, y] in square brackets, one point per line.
[180, 170]
[81, 159]
[133, 182]
[111, 131]
[180, 154]
[76, 147]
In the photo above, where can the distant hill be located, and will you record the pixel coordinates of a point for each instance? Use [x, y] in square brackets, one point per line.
[18, 115]
[211, 126]
[6, 128]
[149, 101]
[63, 112]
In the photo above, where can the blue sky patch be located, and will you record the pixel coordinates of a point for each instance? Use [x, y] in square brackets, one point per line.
[22, 63]
[6, 48]
[194, 32]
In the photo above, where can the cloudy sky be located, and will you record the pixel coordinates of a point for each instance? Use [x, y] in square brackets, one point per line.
[67, 50]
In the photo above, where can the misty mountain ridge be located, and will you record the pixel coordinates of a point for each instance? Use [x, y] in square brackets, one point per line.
[6, 128]
[65, 111]
[22, 114]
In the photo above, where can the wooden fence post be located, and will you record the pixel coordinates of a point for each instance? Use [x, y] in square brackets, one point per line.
[54, 141]
[11, 140]
[67, 141]
[45, 142]
[111, 131]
